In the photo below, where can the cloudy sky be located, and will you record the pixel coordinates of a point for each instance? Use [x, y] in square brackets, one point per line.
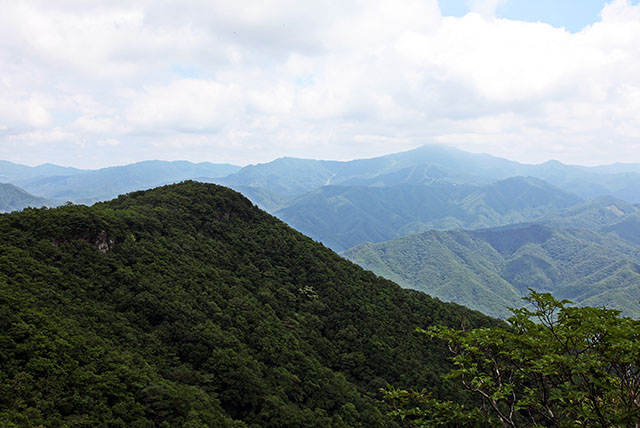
[92, 83]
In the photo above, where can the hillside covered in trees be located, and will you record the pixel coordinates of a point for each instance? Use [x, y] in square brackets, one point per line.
[188, 306]
[492, 269]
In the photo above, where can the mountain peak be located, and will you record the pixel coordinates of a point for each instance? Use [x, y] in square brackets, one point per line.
[552, 164]
[195, 200]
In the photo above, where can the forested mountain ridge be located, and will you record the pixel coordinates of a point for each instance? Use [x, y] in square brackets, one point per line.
[492, 269]
[186, 305]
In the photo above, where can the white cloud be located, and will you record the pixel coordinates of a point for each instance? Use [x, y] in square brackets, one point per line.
[97, 125]
[35, 138]
[24, 110]
[108, 142]
[186, 105]
[486, 8]
[250, 81]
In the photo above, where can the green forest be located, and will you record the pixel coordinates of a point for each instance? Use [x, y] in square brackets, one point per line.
[188, 306]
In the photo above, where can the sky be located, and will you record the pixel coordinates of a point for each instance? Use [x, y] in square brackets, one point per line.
[94, 83]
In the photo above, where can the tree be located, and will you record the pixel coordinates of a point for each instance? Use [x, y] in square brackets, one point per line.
[554, 365]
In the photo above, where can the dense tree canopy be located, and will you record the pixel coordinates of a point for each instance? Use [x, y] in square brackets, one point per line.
[187, 306]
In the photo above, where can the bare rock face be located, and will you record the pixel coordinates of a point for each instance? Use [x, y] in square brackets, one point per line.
[103, 242]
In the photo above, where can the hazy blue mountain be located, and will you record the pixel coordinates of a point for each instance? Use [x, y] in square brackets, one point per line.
[488, 269]
[105, 183]
[262, 198]
[431, 164]
[13, 198]
[590, 182]
[625, 186]
[344, 216]
[10, 172]
[617, 168]
[424, 165]
[285, 176]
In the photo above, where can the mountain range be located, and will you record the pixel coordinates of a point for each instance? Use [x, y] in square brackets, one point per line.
[435, 164]
[10, 172]
[287, 177]
[86, 186]
[367, 201]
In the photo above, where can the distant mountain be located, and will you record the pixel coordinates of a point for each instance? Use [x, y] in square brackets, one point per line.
[424, 165]
[284, 176]
[344, 216]
[491, 269]
[264, 199]
[431, 164]
[13, 198]
[617, 168]
[186, 306]
[261, 197]
[10, 172]
[106, 183]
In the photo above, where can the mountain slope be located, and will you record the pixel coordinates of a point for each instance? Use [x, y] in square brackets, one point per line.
[490, 269]
[13, 198]
[344, 216]
[187, 306]
[627, 228]
[450, 265]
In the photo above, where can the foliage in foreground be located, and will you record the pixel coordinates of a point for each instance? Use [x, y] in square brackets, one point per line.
[556, 365]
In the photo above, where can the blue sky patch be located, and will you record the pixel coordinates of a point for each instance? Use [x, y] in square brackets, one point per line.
[573, 15]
